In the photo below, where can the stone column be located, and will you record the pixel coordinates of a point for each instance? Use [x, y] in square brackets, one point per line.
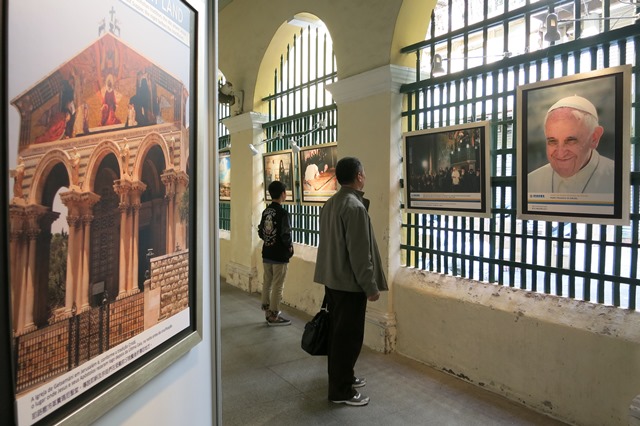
[33, 212]
[80, 206]
[137, 188]
[17, 258]
[88, 200]
[169, 180]
[247, 200]
[182, 185]
[374, 98]
[122, 188]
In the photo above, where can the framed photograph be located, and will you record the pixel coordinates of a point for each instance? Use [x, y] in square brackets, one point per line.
[573, 148]
[446, 170]
[317, 165]
[99, 202]
[279, 166]
[224, 174]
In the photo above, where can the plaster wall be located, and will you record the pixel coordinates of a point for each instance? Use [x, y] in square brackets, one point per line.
[577, 361]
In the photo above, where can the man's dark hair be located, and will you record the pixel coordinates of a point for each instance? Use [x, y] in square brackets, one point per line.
[347, 170]
[276, 188]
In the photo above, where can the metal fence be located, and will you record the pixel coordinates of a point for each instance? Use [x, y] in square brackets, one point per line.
[53, 350]
[300, 101]
[596, 263]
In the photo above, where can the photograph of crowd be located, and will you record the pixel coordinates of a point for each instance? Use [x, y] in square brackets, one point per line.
[445, 168]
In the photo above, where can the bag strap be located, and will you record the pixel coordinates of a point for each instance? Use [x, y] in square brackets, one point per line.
[325, 303]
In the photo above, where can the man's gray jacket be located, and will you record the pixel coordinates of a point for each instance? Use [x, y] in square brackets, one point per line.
[348, 257]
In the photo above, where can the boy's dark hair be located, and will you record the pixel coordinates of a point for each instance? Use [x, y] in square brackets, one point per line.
[276, 188]
[347, 170]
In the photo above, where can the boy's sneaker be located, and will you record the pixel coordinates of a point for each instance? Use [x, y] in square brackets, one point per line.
[276, 320]
[265, 307]
[357, 399]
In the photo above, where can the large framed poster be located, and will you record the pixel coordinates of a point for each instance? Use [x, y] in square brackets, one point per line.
[279, 166]
[573, 148]
[98, 114]
[317, 165]
[224, 174]
[446, 170]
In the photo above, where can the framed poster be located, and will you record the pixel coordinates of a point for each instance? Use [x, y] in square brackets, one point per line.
[99, 119]
[279, 166]
[446, 170]
[573, 148]
[317, 165]
[224, 174]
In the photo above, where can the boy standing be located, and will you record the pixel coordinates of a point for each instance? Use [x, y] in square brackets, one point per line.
[275, 230]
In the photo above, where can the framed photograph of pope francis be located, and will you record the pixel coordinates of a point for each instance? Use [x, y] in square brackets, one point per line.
[573, 139]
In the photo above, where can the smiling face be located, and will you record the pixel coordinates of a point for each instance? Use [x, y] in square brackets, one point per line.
[570, 140]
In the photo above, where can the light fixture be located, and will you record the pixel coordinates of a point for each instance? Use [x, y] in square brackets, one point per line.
[437, 68]
[552, 22]
[552, 28]
[293, 143]
[253, 147]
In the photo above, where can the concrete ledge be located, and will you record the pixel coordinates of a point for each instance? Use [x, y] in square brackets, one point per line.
[573, 360]
[634, 412]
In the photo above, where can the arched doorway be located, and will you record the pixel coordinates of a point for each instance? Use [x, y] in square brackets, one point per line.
[153, 212]
[105, 234]
[50, 278]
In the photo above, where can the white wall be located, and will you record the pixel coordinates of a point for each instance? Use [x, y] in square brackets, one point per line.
[185, 391]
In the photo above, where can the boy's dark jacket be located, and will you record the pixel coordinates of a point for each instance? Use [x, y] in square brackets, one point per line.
[275, 230]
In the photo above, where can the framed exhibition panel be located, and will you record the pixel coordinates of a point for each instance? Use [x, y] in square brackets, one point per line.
[279, 166]
[224, 174]
[573, 148]
[99, 203]
[317, 165]
[446, 170]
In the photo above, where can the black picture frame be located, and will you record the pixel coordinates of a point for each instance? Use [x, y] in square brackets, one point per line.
[447, 170]
[543, 198]
[278, 165]
[317, 169]
[148, 152]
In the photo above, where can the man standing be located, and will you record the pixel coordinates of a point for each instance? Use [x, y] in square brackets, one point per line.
[275, 230]
[572, 135]
[349, 266]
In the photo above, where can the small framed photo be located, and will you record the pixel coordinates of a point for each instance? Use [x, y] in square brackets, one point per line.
[224, 174]
[446, 170]
[573, 148]
[317, 165]
[279, 166]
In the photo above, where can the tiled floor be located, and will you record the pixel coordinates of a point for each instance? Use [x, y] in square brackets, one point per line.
[268, 380]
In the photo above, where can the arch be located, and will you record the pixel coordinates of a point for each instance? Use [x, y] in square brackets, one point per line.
[102, 150]
[411, 27]
[151, 140]
[50, 160]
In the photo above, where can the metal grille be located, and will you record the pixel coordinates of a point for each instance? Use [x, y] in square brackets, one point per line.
[224, 142]
[495, 50]
[299, 102]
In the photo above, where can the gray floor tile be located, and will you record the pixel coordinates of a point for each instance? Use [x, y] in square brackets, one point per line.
[267, 379]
